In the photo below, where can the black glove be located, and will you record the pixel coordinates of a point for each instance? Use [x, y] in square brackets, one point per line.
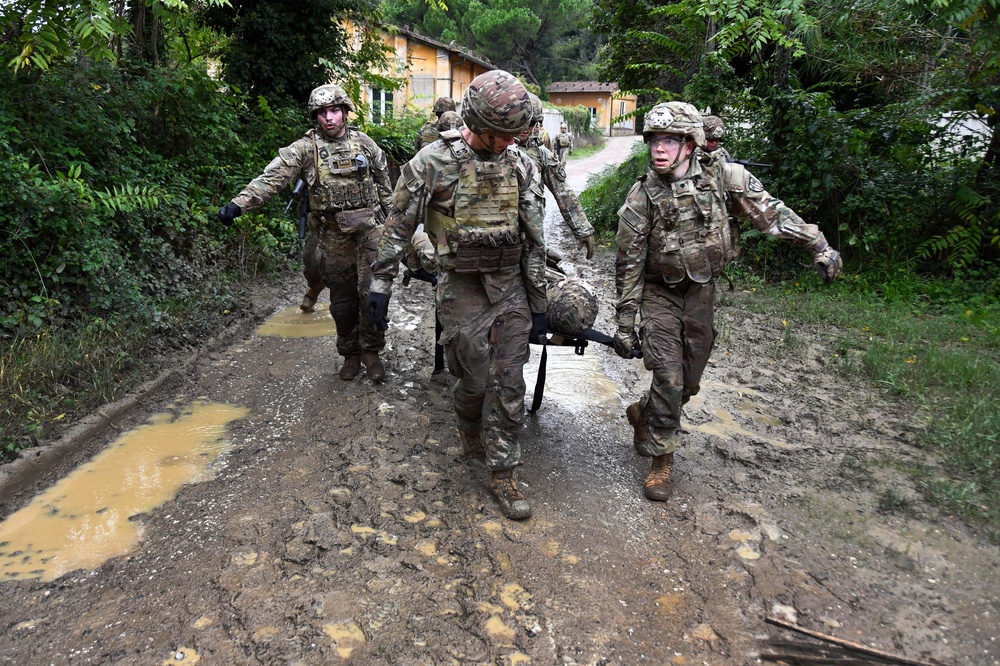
[378, 308]
[422, 274]
[539, 327]
[229, 212]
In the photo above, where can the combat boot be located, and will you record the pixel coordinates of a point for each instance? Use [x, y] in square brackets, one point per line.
[373, 366]
[309, 300]
[640, 434]
[508, 495]
[351, 368]
[657, 485]
[473, 445]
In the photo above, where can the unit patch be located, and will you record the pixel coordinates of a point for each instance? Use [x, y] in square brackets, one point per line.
[754, 185]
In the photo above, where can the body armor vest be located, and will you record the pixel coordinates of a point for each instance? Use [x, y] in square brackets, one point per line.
[484, 236]
[690, 235]
[344, 181]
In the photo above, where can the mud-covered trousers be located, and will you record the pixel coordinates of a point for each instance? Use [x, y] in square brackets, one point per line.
[346, 261]
[485, 324]
[677, 334]
[312, 269]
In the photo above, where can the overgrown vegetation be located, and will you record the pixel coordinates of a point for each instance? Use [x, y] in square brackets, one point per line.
[118, 148]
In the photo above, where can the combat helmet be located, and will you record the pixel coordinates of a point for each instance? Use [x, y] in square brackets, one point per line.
[715, 129]
[449, 120]
[328, 95]
[674, 118]
[443, 104]
[572, 306]
[496, 102]
[537, 112]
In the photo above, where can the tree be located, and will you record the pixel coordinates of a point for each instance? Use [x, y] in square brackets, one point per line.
[282, 50]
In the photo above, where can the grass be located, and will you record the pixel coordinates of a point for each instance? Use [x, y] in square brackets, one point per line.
[920, 343]
[586, 151]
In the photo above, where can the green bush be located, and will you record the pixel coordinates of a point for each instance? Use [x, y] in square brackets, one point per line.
[607, 189]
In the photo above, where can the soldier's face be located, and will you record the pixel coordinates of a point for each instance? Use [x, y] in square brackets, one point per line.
[669, 150]
[332, 121]
[711, 144]
[494, 142]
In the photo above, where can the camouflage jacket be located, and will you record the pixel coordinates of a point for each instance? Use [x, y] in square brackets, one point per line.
[563, 141]
[428, 134]
[553, 174]
[430, 180]
[683, 235]
[298, 160]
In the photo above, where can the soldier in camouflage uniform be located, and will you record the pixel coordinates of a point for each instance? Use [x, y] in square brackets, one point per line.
[482, 200]
[349, 191]
[553, 173]
[715, 131]
[563, 143]
[449, 120]
[673, 241]
[430, 133]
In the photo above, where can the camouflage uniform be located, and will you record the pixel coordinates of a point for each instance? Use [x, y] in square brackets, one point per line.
[553, 174]
[673, 240]
[484, 216]
[348, 190]
[715, 130]
[563, 144]
[430, 132]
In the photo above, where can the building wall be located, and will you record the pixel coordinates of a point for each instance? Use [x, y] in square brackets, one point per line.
[604, 106]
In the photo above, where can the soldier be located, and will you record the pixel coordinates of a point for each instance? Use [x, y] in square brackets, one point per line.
[673, 241]
[483, 203]
[563, 143]
[429, 133]
[715, 131]
[449, 120]
[553, 173]
[348, 191]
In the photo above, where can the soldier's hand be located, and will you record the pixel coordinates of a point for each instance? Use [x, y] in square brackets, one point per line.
[539, 327]
[624, 342]
[588, 242]
[828, 264]
[229, 212]
[378, 309]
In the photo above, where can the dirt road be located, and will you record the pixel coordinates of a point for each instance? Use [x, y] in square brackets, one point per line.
[342, 525]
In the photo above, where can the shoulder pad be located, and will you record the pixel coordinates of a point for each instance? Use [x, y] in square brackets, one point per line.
[735, 176]
[633, 211]
[412, 175]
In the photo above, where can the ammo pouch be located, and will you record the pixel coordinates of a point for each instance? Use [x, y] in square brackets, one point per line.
[487, 253]
[353, 221]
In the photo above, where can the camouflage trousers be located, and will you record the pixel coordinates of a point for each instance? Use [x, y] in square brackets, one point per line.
[312, 269]
[346, 265]
[677, 334]
[485, 325]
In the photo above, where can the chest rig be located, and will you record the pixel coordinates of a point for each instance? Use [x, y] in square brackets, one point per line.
[483, 236]
[690, 235]
[343, 180]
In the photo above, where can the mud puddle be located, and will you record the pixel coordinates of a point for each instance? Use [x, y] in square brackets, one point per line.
[294, 323]
[84, 519]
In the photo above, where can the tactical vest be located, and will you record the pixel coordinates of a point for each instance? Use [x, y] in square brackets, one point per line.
[691, 234]
[344, 181]
[484, 236]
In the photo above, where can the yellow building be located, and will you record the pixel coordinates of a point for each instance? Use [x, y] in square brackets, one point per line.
[607, 105]
[430, 69]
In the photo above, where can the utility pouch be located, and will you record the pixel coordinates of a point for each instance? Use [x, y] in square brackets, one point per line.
[472, 258]
[353, 221]
[671, 262]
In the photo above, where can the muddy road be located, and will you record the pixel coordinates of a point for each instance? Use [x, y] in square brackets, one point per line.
[321, 522]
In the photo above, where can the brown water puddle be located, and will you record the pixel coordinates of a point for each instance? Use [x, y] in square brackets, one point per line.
[83, 520]
[573, 382]
[294, 323]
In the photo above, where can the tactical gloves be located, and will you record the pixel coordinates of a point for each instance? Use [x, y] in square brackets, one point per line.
[539, 327]
[588, 242]
[828, 264]
[229, 212]
[625, 342]
[378, 307]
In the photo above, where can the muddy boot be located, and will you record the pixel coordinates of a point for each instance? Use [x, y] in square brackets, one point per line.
[373, 366]
[657, 485]
[473, 445]
[508, 495]
[640, 435]
[351, 368]
[309, 300]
